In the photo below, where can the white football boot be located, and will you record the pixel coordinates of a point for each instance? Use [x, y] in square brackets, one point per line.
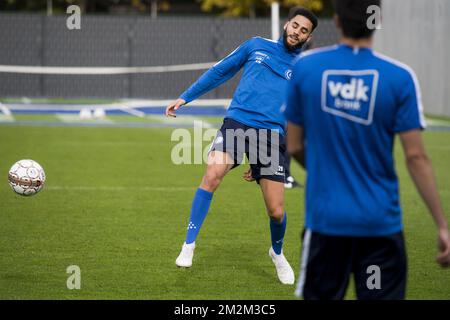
[291, 183]
[284, 270]
[185, 257]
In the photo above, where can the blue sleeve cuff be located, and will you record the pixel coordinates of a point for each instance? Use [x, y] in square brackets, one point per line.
[185, 97]
[409, 128]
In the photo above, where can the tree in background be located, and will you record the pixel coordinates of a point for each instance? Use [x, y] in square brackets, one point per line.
[40, 5]
[87, 6]
[250, 8]
[314, 5]
[230, 8]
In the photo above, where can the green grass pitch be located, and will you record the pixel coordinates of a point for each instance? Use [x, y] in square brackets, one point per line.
[116, 206]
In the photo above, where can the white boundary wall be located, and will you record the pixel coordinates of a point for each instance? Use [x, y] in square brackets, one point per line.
[417, 32]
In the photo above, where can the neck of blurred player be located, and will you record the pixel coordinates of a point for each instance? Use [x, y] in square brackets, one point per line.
[358, 43]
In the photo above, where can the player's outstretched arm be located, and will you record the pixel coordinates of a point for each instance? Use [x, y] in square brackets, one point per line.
[174, 106]
[221, 72]
[421, 171]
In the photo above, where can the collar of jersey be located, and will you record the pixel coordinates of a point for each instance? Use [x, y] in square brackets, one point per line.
[354, 49]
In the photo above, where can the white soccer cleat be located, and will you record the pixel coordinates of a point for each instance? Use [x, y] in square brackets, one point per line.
[291, 183]
[284, 270]
[185, 257]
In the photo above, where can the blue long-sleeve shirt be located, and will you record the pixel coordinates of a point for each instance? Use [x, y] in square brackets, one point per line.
[261, 91]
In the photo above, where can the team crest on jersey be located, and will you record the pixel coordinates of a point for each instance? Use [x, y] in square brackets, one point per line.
[288, 74]
[350, 94]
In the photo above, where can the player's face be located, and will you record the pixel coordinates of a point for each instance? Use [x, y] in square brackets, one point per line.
[296, 32]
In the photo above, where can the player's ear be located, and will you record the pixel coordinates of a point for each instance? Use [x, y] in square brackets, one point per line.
[285, 25]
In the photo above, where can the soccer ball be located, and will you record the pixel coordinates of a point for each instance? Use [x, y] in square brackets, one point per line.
[26, 177]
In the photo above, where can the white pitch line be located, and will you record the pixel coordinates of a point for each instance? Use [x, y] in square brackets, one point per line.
[184, 120]
[6, 118]
[5, 115]
[75, 118]
[5, 110]
[115, 188]
[133, 112]
[435, 122]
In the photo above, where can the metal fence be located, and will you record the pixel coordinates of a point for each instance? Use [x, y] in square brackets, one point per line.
[37, 40]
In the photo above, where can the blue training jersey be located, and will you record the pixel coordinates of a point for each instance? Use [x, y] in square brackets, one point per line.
[351, 102]
[261, 91]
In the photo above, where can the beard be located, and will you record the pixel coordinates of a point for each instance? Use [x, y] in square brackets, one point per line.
[291, 47]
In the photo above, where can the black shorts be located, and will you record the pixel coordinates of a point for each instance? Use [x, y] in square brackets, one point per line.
[378, 264]
[265, 149]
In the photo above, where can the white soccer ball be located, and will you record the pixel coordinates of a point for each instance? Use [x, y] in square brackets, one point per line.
[26, 177]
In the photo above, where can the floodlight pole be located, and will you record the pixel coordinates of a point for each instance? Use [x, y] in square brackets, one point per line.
[275, 20]
[49, 7]
[154, 9]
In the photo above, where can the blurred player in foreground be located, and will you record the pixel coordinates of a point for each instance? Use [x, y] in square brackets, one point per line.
[348, 103]
[255, 108]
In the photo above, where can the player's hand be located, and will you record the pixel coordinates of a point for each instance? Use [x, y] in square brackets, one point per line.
[173, 106]
[248, 176]
[443, 257]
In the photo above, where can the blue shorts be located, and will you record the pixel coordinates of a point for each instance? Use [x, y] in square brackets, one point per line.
[265, 149]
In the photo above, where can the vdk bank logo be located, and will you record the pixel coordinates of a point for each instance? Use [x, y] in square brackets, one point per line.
[350, 94]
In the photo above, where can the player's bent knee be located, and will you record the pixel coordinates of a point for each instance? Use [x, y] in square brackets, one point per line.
[276, 213]
[211, 182]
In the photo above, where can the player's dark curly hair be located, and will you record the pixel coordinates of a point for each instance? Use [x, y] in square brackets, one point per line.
[353, 17]
[300, 11]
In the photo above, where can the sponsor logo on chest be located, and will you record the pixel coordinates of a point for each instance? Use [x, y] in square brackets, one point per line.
[350, 94]
[260, 57]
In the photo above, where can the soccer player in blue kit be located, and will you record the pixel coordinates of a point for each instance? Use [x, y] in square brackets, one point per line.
[255, 106]
[345, 104]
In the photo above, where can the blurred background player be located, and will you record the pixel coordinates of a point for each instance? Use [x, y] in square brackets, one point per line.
[255, 106]
[348, 103]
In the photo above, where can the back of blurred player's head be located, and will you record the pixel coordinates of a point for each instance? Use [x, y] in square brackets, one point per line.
[352, 17]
